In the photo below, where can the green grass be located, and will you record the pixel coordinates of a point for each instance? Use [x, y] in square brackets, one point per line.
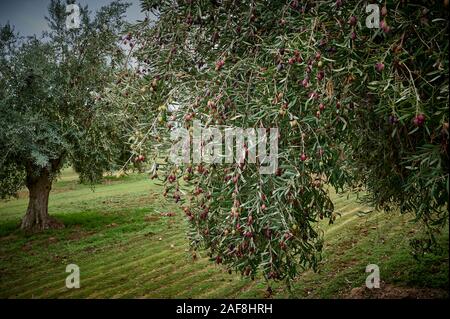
[125, 248]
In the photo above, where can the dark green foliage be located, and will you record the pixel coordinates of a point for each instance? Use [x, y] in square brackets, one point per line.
[399, 134]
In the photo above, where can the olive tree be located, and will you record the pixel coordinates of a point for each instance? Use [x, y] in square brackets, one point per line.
[50, 110]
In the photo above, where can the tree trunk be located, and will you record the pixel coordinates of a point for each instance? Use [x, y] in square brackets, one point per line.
[37, 217]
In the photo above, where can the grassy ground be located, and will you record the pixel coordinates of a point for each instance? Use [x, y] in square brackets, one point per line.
[127, 248]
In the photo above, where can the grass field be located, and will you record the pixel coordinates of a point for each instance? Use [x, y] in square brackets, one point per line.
[126, 247]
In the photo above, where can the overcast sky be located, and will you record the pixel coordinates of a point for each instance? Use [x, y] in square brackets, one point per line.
[28, 16]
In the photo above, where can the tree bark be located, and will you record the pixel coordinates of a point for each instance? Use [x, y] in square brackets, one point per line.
[37, 217]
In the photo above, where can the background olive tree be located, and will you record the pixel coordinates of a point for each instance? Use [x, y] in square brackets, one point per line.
[50, 110]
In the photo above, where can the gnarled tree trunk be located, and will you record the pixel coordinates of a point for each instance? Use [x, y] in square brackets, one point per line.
[37, 217]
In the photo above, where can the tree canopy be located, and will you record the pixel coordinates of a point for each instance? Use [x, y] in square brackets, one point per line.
[356, 107]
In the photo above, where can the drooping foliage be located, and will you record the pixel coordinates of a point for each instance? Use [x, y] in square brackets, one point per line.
[356, 107]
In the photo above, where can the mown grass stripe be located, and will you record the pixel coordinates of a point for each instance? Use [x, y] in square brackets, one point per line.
[133, 243]
[102, 265]
[228, 287]
[165, 279]
[162, 270]
[95, 270]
